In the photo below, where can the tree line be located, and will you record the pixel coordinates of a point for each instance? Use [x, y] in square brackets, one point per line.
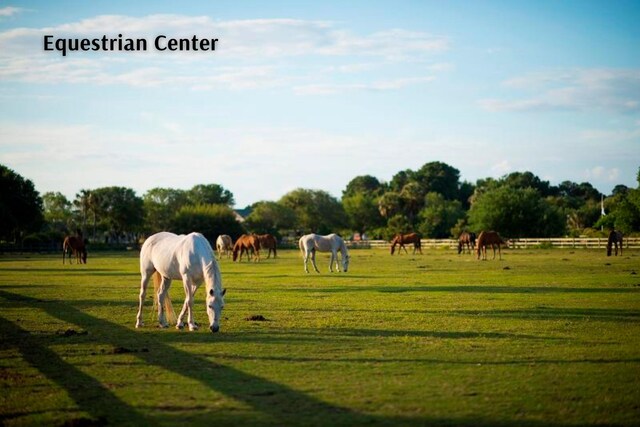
[431, 200]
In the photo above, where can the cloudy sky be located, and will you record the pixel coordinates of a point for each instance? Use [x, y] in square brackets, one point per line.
[312, 94]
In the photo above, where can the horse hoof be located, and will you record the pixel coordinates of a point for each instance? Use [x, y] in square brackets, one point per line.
[180, 326]
[139, 325]
[161, 326]
[193, 327]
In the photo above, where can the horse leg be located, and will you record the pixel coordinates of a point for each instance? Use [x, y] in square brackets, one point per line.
[499, 252]
[403, 247]
[313, 260]
[162, 293]
[306, 258]
[334, 258]
[185, 307]
[188, 301]
[146, 275]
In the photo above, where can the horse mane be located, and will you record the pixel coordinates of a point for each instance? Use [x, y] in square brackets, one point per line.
[212, 277]
[343, 247]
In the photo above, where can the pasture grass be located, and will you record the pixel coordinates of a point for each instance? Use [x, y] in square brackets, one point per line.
[543, 337]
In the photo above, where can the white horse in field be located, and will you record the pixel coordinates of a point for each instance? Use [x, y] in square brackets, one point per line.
[224, 245]
[333, 243]
[190, 258]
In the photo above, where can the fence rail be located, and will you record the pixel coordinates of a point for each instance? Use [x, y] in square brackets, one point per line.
[524, 243]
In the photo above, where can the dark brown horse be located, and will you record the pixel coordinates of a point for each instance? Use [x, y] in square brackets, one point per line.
[247, 243]
[489, 238]
[402, 239]
[468, 240]
[615, 239]
[268, 241]
[74, 245]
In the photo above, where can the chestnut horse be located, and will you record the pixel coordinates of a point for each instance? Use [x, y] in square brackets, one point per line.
[615, 239]
[249, 243]
[268, 241]
[489, 238]
[468, 240]
[74, 245]
[401, 239]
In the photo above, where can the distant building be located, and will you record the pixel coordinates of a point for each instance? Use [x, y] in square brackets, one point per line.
[242, 214]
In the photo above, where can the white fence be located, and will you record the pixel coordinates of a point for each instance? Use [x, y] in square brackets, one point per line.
[578, 242]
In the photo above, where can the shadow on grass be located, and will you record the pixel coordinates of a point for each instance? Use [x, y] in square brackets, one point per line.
[276, 404]
[87, 392]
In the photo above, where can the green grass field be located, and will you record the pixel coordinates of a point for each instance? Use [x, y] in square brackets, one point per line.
[543, 337]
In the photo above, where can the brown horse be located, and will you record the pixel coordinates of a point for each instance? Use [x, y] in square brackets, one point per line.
[615, 239]
[268, 241]
[401, 239]
[74, 245]
[249, 243]
[489, 238]
[468, 240]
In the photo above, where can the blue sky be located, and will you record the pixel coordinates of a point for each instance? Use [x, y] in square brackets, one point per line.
[312, 94]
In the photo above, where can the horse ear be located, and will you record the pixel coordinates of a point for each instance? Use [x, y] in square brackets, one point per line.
[224, 291]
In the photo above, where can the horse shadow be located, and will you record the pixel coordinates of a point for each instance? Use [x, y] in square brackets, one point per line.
[277, 403]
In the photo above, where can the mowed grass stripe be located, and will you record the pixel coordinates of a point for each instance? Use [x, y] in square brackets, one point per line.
[543, 337]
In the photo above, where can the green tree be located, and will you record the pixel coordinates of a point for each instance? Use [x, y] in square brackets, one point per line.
[398, 224]
[115, 210]
[20, 206]
[161, 206]
[209, 220]
[210, 194]
[364, 184]
[439, 216]
[57, 211]
[412, 200]
[270, 217]
[529, 180]
[316, 210]
[362, 212]
[390, 204]
[623, 210]
[440, 178]
[516, 212]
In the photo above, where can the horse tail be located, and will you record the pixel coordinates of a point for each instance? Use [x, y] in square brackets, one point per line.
[169, 313]
[480, 243]
[274, 242]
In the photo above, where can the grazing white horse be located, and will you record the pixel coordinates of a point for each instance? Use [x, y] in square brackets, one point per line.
[333, 243]
[189, 258]
[224, 245]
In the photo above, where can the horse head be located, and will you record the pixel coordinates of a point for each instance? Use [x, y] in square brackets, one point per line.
[394, 242]
[345, 262]
[215, 304]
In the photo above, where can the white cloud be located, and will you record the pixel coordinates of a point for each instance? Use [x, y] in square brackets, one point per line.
[576, 89]
[9, 11]
[330, 89]
[601, 173]
[258, 49]
[501, 168]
